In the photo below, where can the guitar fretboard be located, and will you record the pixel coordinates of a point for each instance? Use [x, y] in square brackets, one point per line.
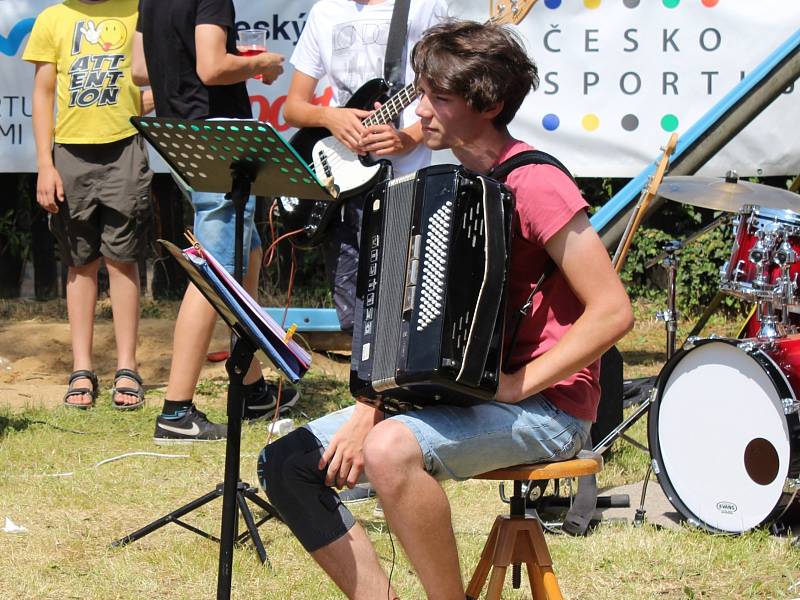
[392, 107]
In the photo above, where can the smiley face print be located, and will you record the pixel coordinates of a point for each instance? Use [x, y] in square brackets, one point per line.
[109, 34]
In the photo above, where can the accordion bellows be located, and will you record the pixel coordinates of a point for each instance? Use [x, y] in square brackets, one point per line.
[431, 289]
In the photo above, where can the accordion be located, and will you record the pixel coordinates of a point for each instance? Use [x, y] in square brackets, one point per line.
[431, 289]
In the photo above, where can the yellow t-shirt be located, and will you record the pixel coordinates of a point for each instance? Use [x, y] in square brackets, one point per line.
[90, 44]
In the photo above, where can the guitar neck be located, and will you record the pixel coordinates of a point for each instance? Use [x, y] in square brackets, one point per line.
[392, 107]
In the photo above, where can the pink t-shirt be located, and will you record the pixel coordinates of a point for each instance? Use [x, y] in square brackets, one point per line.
[546, 200]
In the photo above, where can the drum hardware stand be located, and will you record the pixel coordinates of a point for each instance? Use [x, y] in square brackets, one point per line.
[724, 219]
[786, 257]
[670, 317]
[670, 314]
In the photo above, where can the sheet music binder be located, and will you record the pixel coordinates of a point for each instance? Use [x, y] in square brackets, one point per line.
[240, 311]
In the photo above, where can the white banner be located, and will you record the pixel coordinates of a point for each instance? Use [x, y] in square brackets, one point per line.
[618, 76]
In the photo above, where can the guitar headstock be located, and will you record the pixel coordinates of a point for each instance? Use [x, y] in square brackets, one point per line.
[512, 12]
[655, 180]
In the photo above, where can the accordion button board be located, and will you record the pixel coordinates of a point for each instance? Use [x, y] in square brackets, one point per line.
[431, 289]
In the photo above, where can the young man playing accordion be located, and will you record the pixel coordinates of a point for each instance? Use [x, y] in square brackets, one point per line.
[472, 80]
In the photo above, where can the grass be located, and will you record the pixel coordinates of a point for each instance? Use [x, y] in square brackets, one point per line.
[72, 519]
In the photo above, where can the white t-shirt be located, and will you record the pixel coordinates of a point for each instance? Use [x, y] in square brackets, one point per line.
[346, 41]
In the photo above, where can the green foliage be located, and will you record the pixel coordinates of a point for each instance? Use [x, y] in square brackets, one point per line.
[699, 264]
[15, 240]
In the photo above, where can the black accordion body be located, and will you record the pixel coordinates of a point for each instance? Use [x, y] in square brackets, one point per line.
[431, 289]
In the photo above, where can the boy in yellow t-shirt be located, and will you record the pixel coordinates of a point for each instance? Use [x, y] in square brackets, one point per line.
[93, 175]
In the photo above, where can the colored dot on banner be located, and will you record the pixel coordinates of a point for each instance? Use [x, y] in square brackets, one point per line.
[631, 3]
[552, 3]
[710, 3]
[591, 4]
[671, 3]
[551, 122]
[590, 122]
[669, 122]
[630, 122]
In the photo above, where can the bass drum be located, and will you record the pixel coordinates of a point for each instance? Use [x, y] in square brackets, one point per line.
[724, 432]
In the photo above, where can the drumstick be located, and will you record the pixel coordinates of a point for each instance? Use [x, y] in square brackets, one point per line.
[644, 202]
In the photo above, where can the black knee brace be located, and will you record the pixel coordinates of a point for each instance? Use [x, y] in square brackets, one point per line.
[289, 474]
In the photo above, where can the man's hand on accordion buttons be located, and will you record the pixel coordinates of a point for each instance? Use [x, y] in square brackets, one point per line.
[509, 389]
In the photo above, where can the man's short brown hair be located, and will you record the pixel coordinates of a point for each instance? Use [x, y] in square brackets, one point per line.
[485, 64]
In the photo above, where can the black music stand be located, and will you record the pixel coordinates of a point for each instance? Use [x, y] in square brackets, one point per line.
[237, 157]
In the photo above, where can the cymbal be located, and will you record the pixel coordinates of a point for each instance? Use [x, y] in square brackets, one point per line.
[719, 194]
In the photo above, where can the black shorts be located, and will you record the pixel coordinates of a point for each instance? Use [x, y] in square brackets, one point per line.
[106, 200]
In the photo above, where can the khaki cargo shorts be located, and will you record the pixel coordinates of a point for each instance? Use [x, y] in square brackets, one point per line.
[106, 200]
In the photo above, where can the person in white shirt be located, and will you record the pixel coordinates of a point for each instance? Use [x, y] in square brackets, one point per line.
[345, 41]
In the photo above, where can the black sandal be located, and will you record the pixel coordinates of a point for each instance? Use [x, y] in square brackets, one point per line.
[138, 391]
[80, 391]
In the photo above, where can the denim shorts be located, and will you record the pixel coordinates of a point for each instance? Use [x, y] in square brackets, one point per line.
[215, 227]
[461, 442]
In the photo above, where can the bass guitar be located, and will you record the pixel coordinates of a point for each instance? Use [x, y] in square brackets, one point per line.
[329, 158]
[353, 174]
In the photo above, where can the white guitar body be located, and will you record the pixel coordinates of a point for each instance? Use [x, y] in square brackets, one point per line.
[333, 159]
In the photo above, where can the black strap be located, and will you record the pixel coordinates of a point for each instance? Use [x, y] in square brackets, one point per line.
[393, 63]
[500, 172]
[527, 157]
[523, 312]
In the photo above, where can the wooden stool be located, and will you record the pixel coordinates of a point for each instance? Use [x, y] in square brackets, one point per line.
[518, 538]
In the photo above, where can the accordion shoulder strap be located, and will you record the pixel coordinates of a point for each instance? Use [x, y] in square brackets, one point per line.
[527, 157]
[500, 172]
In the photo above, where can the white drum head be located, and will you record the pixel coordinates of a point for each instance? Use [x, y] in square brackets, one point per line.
[723, 438]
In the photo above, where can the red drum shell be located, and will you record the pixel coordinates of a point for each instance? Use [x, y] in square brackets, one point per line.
[739, 273]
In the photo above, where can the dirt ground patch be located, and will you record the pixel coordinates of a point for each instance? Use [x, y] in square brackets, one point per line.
[36, 359]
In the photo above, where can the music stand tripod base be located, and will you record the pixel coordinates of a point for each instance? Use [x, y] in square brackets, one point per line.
[236, 365]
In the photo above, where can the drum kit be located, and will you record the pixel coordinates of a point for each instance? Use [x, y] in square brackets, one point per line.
[724, 415]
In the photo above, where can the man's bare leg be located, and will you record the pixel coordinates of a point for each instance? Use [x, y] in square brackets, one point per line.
[81, 300]
[416, 508]
[123, 283]
[193, 330]
[352, 564]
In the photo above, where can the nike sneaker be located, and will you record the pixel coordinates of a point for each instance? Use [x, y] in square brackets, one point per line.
[192, 426]
[360, 493]
[260, 400]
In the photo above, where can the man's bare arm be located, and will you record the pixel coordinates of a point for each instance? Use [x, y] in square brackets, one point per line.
[215, 66]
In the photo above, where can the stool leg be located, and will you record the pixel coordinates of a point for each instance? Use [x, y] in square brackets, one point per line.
[496, 583]
[538, 590]
[485, 563]
[550, 583]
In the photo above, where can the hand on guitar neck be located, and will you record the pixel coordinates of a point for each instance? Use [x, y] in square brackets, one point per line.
[346, 126]
[385, 140]
[381, 139]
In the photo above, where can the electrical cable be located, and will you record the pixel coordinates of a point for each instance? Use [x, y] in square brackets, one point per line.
[115, 458]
